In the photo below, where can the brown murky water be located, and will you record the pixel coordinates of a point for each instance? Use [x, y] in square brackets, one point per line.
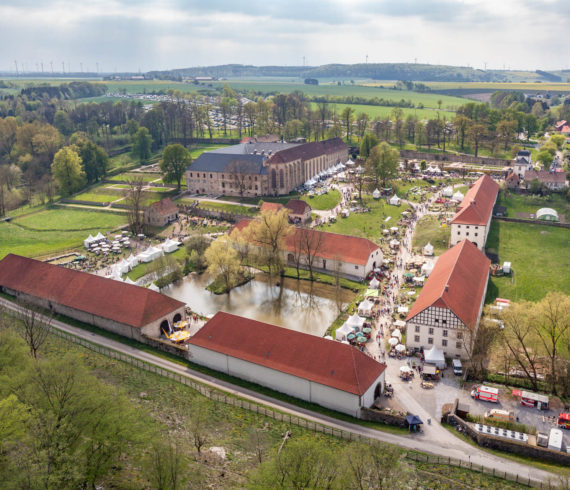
[299, 305]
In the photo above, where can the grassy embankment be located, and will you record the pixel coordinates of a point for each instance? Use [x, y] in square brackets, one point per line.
[48, 231]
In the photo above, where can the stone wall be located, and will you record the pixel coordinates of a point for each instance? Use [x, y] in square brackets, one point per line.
[508, 445]
[382, 417]
[451, 157]
[165, 346]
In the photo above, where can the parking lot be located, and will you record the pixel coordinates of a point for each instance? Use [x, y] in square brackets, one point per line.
[448, 389]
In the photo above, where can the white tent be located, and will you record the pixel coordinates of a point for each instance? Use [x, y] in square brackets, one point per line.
[359, 170]
[132, 260]
[128, 280]
[394, 243]
[395, 200]
[355, 321]
[349, 162]
[376, 194]
[402, 309]
[343, 331]
[170, 245]
[154, 287]
[419, 281]
[458, 196]
[365, 308]
[435, 356]
[400, 323]
[150, 254]
[374, 283]
[123, 266]
[428, 249]
[393, 341]
[400, 348]
[427, 268]
[396, 333]
[394, 230]
[447, 192]
[99, 237]
[88, 241]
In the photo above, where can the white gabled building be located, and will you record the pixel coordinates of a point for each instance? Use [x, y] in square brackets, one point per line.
[522, 163]
[326, 372]
[473, 219]
[449, 307]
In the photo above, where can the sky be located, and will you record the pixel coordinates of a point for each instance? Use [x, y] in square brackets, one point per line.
[143, 35]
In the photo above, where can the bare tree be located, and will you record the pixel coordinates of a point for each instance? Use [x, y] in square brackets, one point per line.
[35, 325]
[311, 243]
[257, 442]
[199, 424]
[135, 205]
[477, 345]
[165, 466]
[239, 171]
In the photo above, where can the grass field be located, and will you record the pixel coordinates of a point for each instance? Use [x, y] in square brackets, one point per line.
[146, 177]
[531, 86]
[94, 196]
[540, 258]
[531, 204]
[374, 111]
[367, 225]
[323, 202]
[229, 208]
[71, 219]
[429, 229]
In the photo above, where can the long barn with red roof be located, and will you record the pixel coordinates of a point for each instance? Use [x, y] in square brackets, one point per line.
[326, 372]
[448, 309]
[473, 218]
[121, 308]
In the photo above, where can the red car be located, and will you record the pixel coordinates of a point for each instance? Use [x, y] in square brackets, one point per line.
[440, 200]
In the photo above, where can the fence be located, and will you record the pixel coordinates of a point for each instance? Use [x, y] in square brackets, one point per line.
[215, 395]
[532, 221]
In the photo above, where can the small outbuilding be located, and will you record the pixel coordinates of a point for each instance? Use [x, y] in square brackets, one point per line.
[428, 249]
[547, 214]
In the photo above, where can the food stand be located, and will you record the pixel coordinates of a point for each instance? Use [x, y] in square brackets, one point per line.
[534, 400]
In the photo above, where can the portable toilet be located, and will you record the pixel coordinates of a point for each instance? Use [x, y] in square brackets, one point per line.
[506, 267]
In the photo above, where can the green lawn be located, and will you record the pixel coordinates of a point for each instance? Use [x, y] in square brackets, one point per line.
[429, 229]
[230, 208]
[382, 111]
[531, 204]
[367, 225]
[72, 220]
[325, 201]
[98, 197]
[540, 258]
[146, 177]
[255, 200]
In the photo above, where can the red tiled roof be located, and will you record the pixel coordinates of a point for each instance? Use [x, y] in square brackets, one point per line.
[354, 250]
[565, 129]
[165, 206]
[271, 206]
[464, 269]
[512, 176]
[297, 206]
[306, 356]
[545, 176]
[477, 205]
[106, 298]
[306, 151]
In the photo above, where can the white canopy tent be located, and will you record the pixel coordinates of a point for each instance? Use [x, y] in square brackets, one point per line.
[419, 281]
[343, 331]
[427, 268]
[376, 194]
[128, 280]
[393, 341]
[394, 243]
[99, 237]
[396, 333]
[132, 260]
[435, 356]
[365, 308]
[123, 266]
[428, 249]
[402, 309]
[170, 246]
[374, 283]
[400, 323]
[349, 163]
[395, 200]
[154, 287]
[447, 192]
[458, 196]
[400, 348]
[88, 241]
[355, 321]
[150, 254]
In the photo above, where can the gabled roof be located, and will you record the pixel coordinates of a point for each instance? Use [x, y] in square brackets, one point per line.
[457, 282]
[225, 162]
[331, 246]
[477, 205]
[297, 206]
[164, 206]
[307, 151]
[255, 148]
[271, 206]
[306, 356]
[544, 176]
[512, 176]
[106, 298]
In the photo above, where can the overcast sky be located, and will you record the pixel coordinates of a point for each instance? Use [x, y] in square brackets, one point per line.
[128, 35]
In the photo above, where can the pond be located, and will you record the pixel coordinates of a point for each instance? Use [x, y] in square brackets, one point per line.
[299, 305]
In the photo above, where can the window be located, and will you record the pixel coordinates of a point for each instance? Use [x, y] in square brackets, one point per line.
[467, 234]
[255, 186]
[476, 234]
[223, 176]
[459, 335]
[416, 338]
[436, 320]
[467, 227]
[444, 321]
[190, 174]
[430, 331]
[250, 177]
[444, 343]
[445, 333]
[417, 329]
[256, 178]
[223, 185]
[356, 267]
[458, 345]
[210, 176]
[204, 176]
[458, 226]
[430, 340]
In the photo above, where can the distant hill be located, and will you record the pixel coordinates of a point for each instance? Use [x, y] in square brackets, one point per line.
[374, 71]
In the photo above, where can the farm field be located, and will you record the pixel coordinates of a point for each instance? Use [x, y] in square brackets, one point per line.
[531, 86]
[539, 255]
[383, 111]
[367, 225]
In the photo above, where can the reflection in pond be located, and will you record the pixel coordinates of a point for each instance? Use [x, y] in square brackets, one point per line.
[299, 305]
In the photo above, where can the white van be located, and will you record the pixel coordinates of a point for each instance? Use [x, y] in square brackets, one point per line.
[457, 367]
[502, 415]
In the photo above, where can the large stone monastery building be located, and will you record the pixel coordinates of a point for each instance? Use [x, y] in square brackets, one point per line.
[262, 169]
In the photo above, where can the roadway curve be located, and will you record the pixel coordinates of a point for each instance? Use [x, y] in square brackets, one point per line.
[434, 440]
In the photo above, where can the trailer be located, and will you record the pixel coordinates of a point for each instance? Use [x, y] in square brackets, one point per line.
[532, 400]
[555, 440]
[485, 393]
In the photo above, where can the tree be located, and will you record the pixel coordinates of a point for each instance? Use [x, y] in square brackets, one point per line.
[347, 116]
[420, 138]
[142, 142]
[559, 140]
[506, 132]
[196, 245]
[240, 170]
[462, 124]
[477, 347]
[369, 141]
[135, 205]
[545, 158]
[66, 169]
[383, 163]
[476, 134]
[223, 261]
[311, 243]
[94, 159]
[36, 326]
[199, 429]
[362, 121]
[269, 231]
[175, 159]
[63, 123]
[166, 465]
[398, 118]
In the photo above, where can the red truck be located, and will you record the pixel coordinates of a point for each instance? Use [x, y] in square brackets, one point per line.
[485, 393]
[564, 421]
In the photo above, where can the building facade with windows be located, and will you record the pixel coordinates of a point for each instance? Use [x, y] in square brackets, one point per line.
[262, 169]
[448, 310]
[472, 221]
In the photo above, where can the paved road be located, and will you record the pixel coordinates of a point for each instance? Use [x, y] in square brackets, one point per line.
[434, 439]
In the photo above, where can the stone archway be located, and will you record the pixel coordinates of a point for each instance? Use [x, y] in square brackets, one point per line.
[177, 318]
[378, 391]
[164, 327]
